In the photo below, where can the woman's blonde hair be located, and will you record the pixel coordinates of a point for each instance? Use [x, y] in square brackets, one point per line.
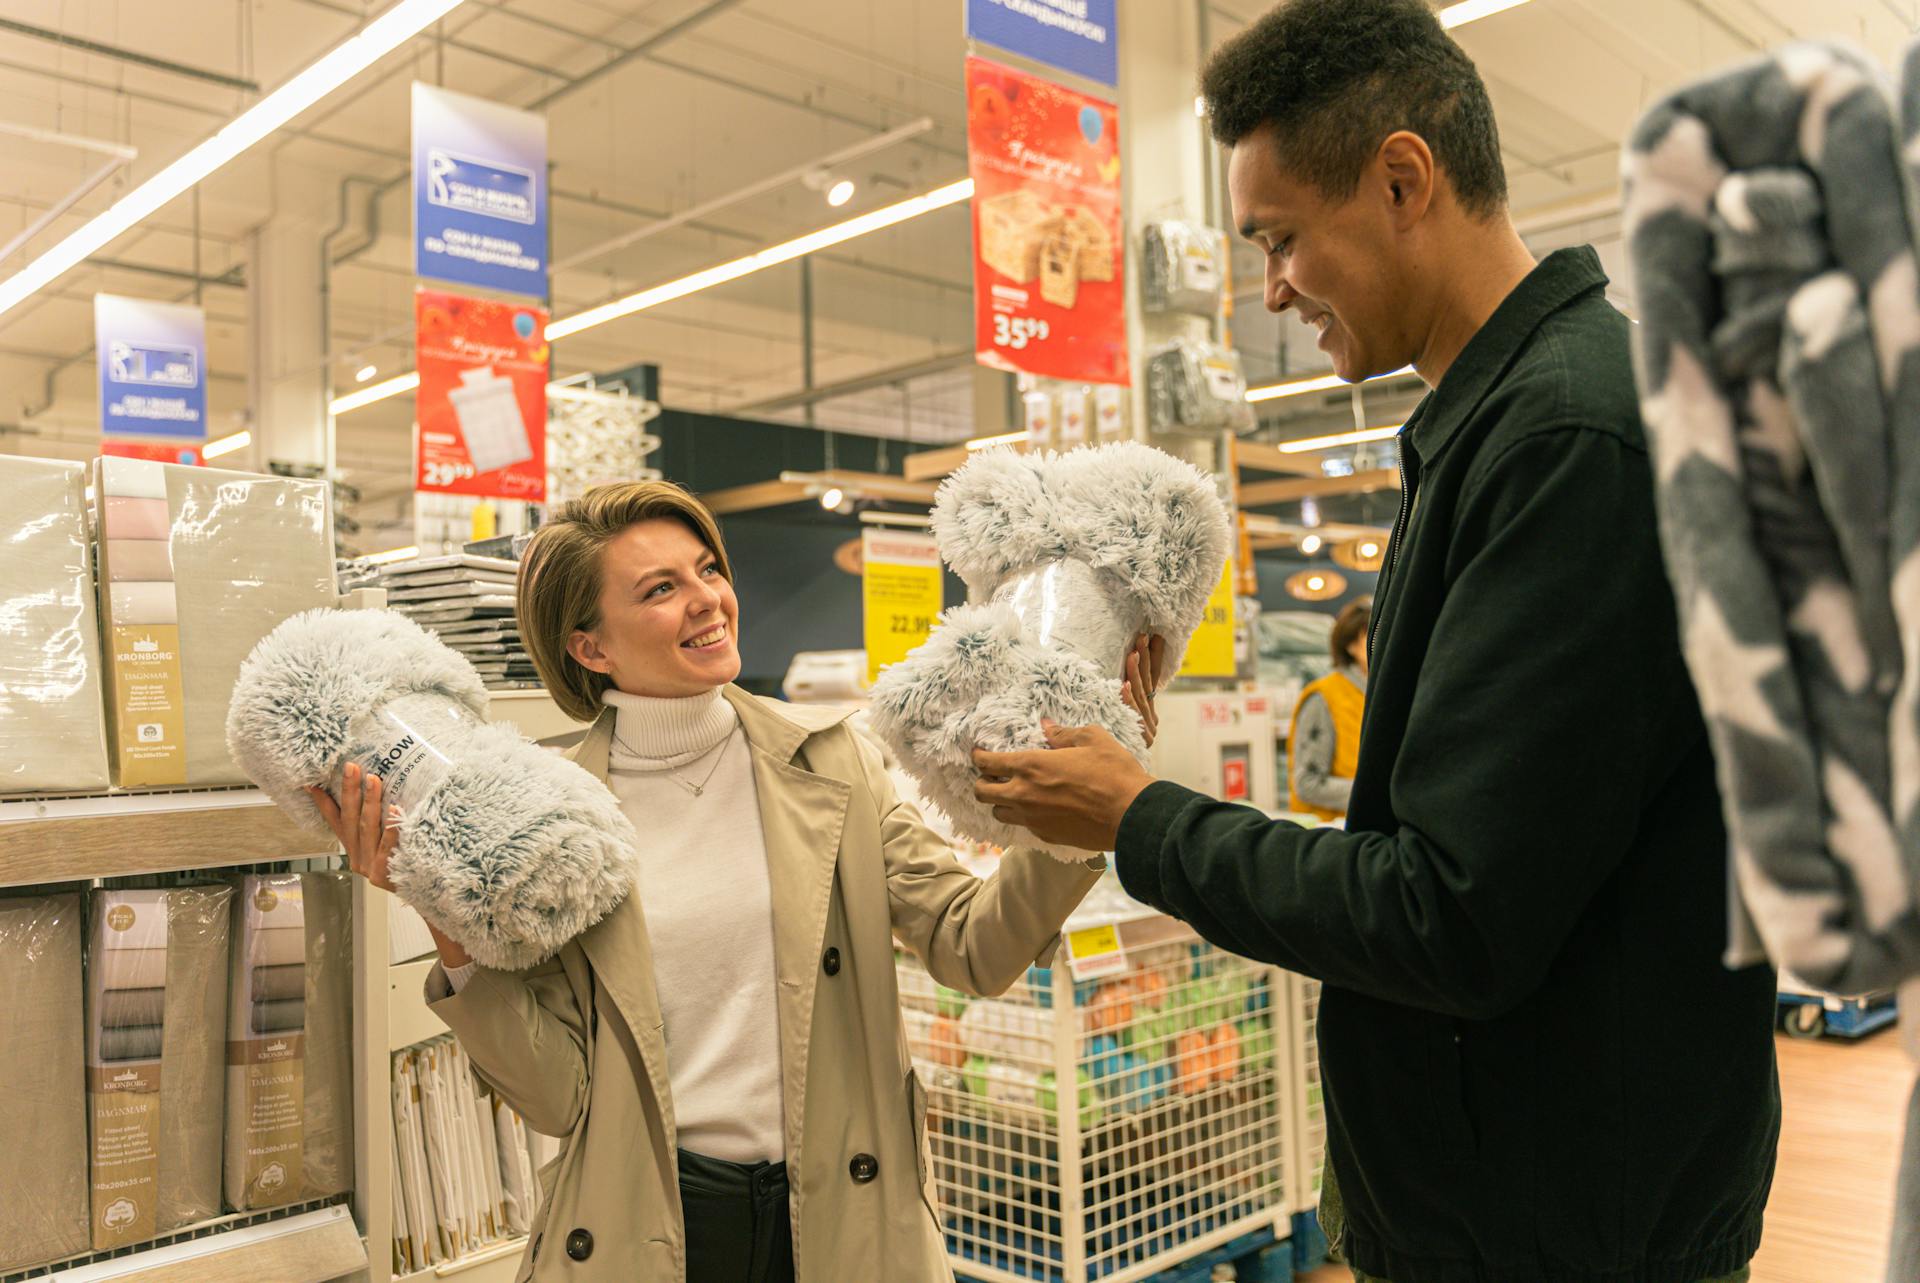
[561, 578]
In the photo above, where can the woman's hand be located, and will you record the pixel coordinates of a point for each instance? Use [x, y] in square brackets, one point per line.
[369, 835]
[1142, 681]
[357, 820]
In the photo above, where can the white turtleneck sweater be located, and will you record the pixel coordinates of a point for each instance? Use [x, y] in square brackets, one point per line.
[709, 908]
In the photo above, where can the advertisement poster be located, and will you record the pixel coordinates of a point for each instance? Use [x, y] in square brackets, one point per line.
[479, 193]
[1077, 36]
[482, 402]
[901, 592]
[158, 451]
[1048, 247]
[153, 367]
[1210, 651]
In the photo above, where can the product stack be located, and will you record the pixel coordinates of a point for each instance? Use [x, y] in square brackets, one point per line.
[1176, 1105]
[203, 1066]
[463, 1169]
[467, 602]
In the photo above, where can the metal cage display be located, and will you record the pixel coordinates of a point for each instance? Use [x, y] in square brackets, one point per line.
[1108, 1128]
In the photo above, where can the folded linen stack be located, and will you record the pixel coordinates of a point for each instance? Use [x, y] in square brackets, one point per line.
[467, 601]
[157, 997]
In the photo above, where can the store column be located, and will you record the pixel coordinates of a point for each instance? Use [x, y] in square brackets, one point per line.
[1165, 168]
[288, 367]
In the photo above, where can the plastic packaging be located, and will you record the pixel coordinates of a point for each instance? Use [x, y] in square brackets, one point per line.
[1182, 268]
[505, 847]
[52, 729]
[244, 552]
[156, 1058]
[43, 1105]
[1197, 387]
[289, 1115]
[1068, 605]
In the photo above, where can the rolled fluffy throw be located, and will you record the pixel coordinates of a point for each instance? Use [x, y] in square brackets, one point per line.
[1066, 557]
[1779, 363]
[507, 848]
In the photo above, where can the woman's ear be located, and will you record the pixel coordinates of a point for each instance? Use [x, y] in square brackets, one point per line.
[586, 652]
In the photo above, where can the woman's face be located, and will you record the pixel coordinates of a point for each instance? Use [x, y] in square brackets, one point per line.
[667, 615]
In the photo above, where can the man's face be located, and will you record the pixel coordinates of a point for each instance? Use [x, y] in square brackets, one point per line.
[1336, 265]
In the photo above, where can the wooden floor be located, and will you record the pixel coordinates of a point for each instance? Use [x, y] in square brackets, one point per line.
[1832, 1205]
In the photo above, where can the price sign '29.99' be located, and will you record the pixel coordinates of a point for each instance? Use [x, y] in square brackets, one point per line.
[482, 403]
[1048, 249]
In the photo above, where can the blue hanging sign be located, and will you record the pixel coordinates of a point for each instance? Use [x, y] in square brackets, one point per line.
[479, 192]
[153, 368]
[1076, 36]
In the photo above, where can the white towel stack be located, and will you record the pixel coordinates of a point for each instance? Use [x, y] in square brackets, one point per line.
[467, 602]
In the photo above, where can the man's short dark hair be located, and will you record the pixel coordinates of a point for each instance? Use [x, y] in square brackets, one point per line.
[1335, 77]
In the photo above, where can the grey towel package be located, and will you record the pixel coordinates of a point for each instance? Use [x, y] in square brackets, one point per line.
[43, 1102]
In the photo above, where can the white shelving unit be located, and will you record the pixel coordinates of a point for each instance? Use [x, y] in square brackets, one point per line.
[85, 838]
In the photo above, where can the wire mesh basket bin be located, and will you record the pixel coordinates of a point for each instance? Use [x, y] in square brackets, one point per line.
[1105, 1129]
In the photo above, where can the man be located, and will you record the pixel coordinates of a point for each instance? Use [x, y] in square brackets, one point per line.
[1537, 1068]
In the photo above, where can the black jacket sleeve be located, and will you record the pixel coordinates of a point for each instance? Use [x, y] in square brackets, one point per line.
[1544, 706]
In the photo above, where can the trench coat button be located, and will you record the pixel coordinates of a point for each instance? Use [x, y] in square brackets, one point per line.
[863, 1168]
[830, 963]
[580, 1245]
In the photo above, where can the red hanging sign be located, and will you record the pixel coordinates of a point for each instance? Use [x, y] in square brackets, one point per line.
[1048, 247]
[482, 402]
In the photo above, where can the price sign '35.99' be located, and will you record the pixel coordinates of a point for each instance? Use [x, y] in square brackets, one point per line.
[1048, 249]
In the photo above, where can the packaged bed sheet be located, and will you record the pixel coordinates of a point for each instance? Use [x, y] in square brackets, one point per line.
[43, 1104]
[196, 566]
[156, 1022]
[52, 726]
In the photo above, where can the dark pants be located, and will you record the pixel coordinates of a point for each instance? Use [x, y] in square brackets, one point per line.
[738, 1229]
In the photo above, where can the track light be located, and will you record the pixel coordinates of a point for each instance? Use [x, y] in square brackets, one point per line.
[840, 193]
[1310, 544]
[832, 497]
[365, 372]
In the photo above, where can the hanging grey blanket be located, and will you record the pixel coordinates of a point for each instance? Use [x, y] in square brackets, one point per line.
[1778, 354]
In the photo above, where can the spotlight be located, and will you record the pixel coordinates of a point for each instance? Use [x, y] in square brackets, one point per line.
[832, 498]
[365, 372]
[840, 193]
[1369, 549]
[1310, 544]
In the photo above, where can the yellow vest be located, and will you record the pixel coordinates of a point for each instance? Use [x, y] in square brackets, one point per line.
[1346, 702]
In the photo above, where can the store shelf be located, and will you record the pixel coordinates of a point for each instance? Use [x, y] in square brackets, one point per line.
[309, 1248]
[115, 834]
[495, 1264]
[533, 713]
[408, 1020]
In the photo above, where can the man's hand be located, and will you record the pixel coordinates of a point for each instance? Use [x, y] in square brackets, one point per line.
[1074, 794]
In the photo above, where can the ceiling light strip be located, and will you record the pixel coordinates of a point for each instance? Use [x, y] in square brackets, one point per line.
[334, 68]
[785, 252]
[1455, 15]
[1307, 444]
[1320, 383]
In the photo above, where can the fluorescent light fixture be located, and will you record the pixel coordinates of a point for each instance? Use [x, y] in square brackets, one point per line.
[1310, 544]
[840, 193]
[365, 372]
[733, 270]
[772, 256]
[1455, 15]
[988, 443]
[874, 517]
[378, 392]
[391, 554]
[1200, 104]
[1307, 444]
[305, 88]
[226, 445]
[1320, 383]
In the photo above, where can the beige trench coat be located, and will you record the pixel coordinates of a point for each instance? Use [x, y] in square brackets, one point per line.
[576, 1043]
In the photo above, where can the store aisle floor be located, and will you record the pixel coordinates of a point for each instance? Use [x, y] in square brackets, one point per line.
[1832, 1204]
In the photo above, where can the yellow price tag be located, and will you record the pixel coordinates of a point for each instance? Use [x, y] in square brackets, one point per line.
[1095, 951]
[902, 594]
[1210, 652]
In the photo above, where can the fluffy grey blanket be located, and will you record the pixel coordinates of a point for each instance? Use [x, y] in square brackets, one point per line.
[1066, 558]
[1778, 353]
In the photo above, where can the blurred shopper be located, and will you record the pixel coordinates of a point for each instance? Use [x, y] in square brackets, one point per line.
[1323, 744]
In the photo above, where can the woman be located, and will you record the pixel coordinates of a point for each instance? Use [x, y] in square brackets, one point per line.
[1323, 746]
[724, 1053]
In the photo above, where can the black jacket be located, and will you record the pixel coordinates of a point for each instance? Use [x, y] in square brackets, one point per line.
[1537, 1068]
